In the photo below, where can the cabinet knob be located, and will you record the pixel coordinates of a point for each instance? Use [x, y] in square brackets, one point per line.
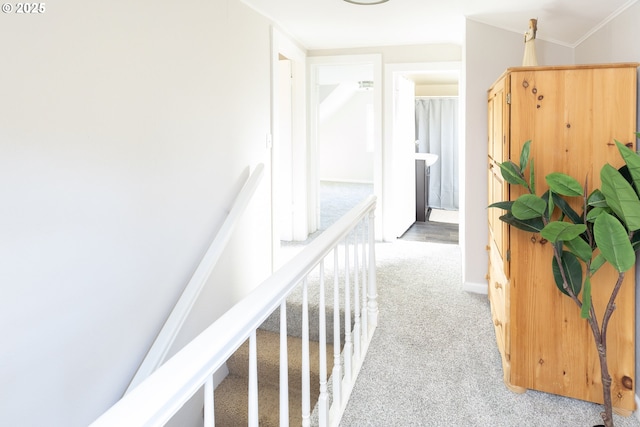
[497, 322]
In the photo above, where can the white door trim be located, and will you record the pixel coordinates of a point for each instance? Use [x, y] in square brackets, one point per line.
[390, 70]
[282, 45]
[313, 65]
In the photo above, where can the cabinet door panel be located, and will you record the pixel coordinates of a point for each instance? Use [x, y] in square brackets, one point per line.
[572, 117]
[497, 193]
[497, 111]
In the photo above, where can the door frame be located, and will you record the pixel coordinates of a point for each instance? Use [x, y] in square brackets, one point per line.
[282, 45]
[390, 71]
[314, 64]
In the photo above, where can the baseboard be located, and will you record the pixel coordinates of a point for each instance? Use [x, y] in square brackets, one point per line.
[476, 288]
[346, 181]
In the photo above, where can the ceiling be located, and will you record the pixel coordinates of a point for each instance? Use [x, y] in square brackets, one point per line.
[332, 24]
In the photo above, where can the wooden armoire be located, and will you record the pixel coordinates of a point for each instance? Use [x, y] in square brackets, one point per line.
[572, 115]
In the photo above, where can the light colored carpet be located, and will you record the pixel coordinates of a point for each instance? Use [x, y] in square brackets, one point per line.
[433, 360]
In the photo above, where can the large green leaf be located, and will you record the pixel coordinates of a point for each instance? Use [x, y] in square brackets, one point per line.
[524, 155]
[613, 241]
[586, 299]
[564, 184]
[532, 178]
[621, 197]
[579, 248]
[528, 206]
[566, 209]
[560, 230]
[597, 199]
[632, 160]
[512, 173]
[597, 262]
[572, 270]
[595, 212]
[506, 205]
[635, 241]
[534, 225]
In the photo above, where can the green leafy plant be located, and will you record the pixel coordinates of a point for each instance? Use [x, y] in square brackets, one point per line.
[605, 232]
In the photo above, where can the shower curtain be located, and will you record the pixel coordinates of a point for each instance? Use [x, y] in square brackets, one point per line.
[437, 133]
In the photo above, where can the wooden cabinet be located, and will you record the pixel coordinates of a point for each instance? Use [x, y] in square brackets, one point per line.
[572, 115]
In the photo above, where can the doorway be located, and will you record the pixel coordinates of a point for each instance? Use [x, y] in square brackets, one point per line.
[344, 135]
[431, 81]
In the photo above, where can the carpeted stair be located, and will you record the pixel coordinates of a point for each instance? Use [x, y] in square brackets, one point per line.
[231, 406]
[231, 395]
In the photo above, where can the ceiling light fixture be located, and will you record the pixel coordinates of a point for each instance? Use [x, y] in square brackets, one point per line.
[366, 2]
[365, 84]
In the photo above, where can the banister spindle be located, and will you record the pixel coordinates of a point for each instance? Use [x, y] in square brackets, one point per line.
[365, 323]
[209, 418]
[306, 371]
[356, 297]
[337, 366]
[348, 346]
[253, 381]
[323, 409]
[284, 367]
[372, 291]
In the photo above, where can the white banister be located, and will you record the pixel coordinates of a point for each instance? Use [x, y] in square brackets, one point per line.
[284, 367]
[306, 369]
[165, 339]
[348, 345]
[323, 399]
[356, 297]
[365, 330]
[372, 290]
[209, 419]
[253, 381]
[155, 400]
[337, 366]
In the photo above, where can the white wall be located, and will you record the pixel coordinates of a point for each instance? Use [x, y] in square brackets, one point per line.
[342, 145]
[401, 54]
[615, 42]
[482, 68]
[437, 90]
[126, 129]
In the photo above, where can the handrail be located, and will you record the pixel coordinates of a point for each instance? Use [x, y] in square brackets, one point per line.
[165, 339]
[164, 392]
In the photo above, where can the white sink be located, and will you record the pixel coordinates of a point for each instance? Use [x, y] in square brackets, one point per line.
[429, 158]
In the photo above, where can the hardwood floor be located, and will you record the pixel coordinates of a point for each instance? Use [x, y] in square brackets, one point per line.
[430, 231]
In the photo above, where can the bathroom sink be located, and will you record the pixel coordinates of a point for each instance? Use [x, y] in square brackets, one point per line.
[429, 158]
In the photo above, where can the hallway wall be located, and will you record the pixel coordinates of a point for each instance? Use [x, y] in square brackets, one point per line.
[126, 130]
[344, 152]
[482, 68]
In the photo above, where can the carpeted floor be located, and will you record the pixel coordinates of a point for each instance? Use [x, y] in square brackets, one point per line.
[433, 360]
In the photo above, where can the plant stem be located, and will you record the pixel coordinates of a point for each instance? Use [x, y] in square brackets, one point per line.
[599, 336]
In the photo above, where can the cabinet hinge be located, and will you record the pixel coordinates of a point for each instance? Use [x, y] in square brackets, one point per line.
[509, 98]
[508, 255]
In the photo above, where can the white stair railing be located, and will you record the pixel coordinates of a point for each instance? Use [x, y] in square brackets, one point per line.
[172, 326]
[158, 398]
